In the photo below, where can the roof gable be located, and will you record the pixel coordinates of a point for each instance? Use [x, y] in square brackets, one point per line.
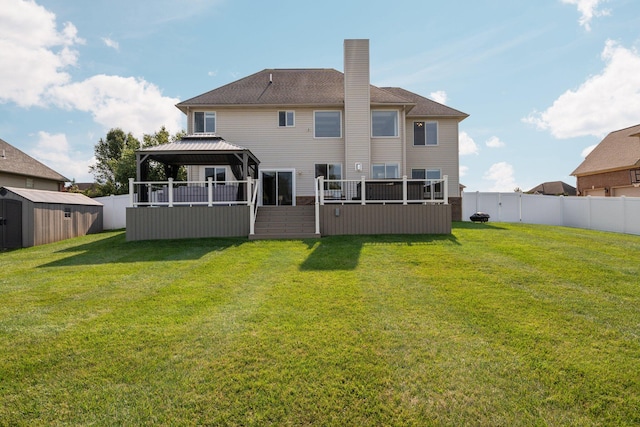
[425, 106]
[618, 150]
[16, 162]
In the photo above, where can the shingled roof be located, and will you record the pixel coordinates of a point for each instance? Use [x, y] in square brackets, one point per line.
[617, 151]
[554, 188]
[16, 162]
[308, 87]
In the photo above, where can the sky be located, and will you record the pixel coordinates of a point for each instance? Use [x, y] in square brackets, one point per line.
[542, 81]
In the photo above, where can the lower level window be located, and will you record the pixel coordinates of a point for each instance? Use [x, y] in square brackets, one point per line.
[330, 171]
[428, 174]
[218, 175]
[385, 171]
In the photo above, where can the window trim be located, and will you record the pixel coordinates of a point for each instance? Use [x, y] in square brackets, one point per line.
[426, 144]
[286, 117]
[327, 111]
[396, 124]
[385, 164]
[204, 117]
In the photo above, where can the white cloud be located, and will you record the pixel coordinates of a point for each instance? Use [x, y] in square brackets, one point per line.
[603, 103]
[588, 150]
[462, 170]
[502, 175]
[439, 96]
[588, 10]
[494, 142]
[35, 53]
[212, 73]
[55, 152]
[132, 104]
[467, 145]
[111, 43]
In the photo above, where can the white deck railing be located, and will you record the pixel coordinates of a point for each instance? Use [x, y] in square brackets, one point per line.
[382, 191]
[189, 193]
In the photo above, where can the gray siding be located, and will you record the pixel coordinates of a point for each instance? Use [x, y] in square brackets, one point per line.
[385, 219]
[20, 181]
[182, 222]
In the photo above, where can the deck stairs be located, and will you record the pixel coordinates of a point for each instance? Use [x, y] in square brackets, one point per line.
[285, 222]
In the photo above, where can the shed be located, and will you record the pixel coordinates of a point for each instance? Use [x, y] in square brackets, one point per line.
[31, 217]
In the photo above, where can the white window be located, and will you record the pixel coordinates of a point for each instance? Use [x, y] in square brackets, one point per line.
[286, 118]
[385, 170]
[384, 123]
[204, 122]
[217, 174]
[67, 213]
[330, 171]
[327, 124]
[425, 133]
[425, 173]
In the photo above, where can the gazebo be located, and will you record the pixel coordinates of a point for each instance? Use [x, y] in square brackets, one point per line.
[205, 149]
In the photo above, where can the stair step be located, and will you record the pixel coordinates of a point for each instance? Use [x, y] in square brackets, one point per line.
[285, 222]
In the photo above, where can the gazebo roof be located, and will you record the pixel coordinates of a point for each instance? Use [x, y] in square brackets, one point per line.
[204, 149]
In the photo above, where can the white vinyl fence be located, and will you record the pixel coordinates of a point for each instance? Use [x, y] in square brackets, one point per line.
[114, 213]
[616, 214]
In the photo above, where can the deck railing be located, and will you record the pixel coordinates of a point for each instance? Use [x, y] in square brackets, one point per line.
[190, 193]
[382, 191]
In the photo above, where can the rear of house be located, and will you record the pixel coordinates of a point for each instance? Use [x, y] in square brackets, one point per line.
[301, 125]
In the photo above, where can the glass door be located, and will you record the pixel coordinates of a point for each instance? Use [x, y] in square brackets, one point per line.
[277, 188]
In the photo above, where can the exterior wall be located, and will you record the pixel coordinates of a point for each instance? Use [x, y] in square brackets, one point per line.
[385, 219]
[357, 115]
[20, 181]
[387, 149]
[279, 147]
[443, 156]
[602, 181]
[183, 222]
[628, 191]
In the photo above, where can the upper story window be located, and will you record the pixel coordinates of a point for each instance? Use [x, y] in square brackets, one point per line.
[425, 133]
[286, 118]
[327, 124]
[384, 123]
[204, 122]
[385, 170]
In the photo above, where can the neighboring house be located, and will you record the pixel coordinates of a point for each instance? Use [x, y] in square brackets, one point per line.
[22, 171]
[553, 188]
[613, 167]
[287, 127]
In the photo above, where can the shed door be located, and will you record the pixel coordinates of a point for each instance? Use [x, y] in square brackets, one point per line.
[10, 224]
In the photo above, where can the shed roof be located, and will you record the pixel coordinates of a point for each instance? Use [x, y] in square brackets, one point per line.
[54, 197]
[617, 151]
[14, 161]
[306, 87]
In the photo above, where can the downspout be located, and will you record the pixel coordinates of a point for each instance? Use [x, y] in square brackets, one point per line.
[403, 132]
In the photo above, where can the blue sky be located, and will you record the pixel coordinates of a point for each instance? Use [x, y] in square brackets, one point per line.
[543, 82]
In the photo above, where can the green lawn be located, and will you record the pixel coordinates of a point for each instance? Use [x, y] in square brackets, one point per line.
[495, 324]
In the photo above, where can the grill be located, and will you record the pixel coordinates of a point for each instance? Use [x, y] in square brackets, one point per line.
[479, 217]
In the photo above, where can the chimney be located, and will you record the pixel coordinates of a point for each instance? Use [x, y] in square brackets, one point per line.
[357, 103]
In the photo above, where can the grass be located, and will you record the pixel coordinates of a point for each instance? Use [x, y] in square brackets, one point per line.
[495, 324]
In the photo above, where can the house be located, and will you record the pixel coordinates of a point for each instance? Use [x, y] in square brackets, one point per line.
[31, 217]
[22, 171]
[553, 188]
[305, 137]
[613, 167]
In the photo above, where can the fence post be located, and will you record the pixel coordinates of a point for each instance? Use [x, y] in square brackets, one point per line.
[446, 189]
[170, 192]
[131, 192]
[209, 191]
[404, 189]
[252, 212]
[321, 189]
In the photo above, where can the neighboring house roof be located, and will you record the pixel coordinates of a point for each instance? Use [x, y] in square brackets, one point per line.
[307, 87]
[425, 106]
[554, 188]
[617, 151]
[54, 197]
[16, 162]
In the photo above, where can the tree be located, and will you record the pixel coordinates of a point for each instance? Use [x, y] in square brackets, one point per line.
[116, 160]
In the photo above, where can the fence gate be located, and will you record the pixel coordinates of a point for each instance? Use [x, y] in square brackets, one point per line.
[10, 224]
